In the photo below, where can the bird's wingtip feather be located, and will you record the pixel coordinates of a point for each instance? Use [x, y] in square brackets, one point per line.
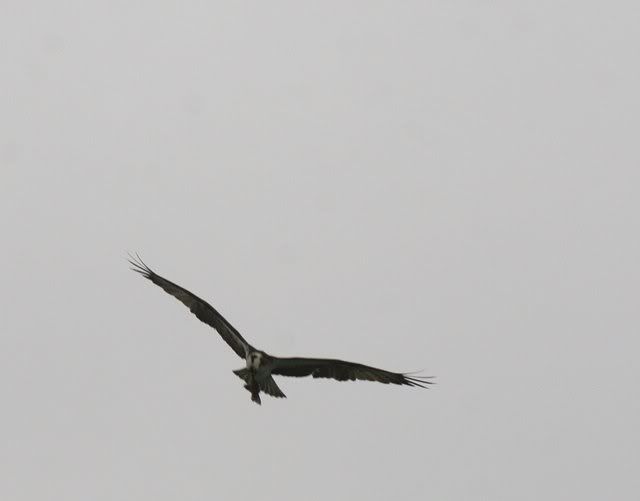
[138, 265]
[419, 381]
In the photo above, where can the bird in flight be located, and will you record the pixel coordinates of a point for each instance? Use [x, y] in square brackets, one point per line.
[260, 366]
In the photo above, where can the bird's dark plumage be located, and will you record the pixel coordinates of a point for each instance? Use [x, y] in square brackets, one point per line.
[342, 371]
[200, 308]
[261, 366]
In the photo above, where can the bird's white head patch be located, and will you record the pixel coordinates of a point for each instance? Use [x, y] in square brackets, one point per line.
[254, 360]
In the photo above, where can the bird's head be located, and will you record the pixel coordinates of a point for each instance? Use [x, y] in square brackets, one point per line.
[254, 359]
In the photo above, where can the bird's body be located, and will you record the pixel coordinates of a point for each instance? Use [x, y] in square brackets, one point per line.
[256, 373]
[260, 367]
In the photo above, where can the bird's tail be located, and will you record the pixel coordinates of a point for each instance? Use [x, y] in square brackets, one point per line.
[270, 387]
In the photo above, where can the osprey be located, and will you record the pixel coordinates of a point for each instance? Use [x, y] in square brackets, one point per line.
[260, 366]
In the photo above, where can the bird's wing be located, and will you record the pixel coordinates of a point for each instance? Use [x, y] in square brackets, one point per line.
[201, 309]
[342, 371]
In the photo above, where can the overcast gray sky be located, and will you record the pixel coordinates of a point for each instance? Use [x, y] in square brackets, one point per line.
[446, 186]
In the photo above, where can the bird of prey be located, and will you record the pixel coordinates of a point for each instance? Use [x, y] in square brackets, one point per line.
[260, 366]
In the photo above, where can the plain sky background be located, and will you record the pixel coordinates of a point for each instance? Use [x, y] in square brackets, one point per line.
[447, 186]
